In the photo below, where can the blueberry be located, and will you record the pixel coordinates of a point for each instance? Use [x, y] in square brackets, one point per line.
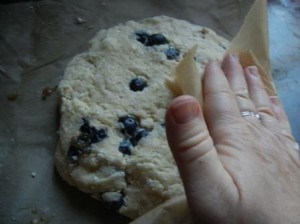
[86, 126]
[96, 135]
[156, 39]
[125, 147]
[82, 141]
[142, 37]
[130, 124]
[172, 53]
[138, 84]
[78, 146]
[101, 134]
[115, 205]
[73, 153]
[222, 46]
[138, 135]
[151, 40]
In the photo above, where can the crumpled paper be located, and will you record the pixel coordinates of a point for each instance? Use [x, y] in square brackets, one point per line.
[251, 44]
[186, 78]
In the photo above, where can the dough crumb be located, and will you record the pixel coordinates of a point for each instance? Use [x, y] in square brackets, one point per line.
[12, 96]
[34, 221]
[48, 91]
[80, 20]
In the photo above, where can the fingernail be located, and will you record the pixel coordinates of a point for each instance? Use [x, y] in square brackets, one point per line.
[234, 57]
[185, 111]
[212, 63]
[275, 101]
[275, 104]
[253, 71]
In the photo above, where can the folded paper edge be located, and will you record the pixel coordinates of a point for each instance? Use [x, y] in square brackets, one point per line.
[255, 51]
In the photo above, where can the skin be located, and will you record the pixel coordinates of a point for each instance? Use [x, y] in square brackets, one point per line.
[235, 169]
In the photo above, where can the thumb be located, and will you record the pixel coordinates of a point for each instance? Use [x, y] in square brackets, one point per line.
[208, 186]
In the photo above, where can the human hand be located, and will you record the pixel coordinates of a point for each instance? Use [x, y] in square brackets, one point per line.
[235, 169]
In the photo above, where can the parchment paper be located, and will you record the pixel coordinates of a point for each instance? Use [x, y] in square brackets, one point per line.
[251, 44]
[38, 38]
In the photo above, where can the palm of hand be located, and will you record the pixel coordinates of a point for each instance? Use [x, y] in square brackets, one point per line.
[264, 173]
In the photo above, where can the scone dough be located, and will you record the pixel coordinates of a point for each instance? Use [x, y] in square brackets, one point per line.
[113, 101]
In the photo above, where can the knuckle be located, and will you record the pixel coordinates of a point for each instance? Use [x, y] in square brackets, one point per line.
[224, 92]
[241, 93]
[245, 104]
[265, 110]
[191, 141]
[288, 135]
[194, 147]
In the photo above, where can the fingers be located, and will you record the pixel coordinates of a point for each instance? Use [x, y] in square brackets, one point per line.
[235, 76]
[251, 95]
[186, 130]
[229, 92]
[260, 99]
[280, 115]
[257, 91]
[204, 178]
[220, 103]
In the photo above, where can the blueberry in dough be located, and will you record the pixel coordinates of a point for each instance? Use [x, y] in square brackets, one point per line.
[138, 135]
[151, 40]
[129, 124]
[130, 128]
[172, 53]
[73, 153]
[78, 146]
[157, 39]
[96, 135]
[125, 147]
[86, 126]
[115, 205]
[83, 141]
[138, 84]
[142, 37]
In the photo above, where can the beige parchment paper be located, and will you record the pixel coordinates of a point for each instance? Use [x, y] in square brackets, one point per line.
[252, 45]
